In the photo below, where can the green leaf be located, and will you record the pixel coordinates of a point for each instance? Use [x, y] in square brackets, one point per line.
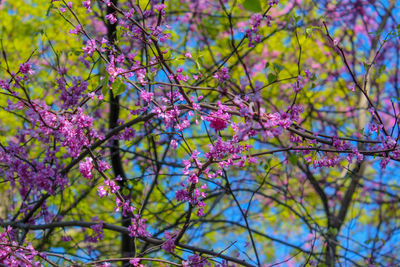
[118, 87]
[277, 68]
[104, 89]
[267, 164]
[199, 61]
[310, 30]
[116, 84]
[271, 78]
[150, 76]
[381, 69]
[333, 231]
[293, 159]
[252, 5]
[297, 18]
[314, 77]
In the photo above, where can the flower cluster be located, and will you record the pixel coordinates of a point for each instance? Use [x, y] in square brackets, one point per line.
[169, 245]
[86, 167]
[299, 84]
[98, 233]
[138, 227]
[70, 96]
[109, 187]
[136, 262]
[222, 75]
[13, 254]
[196, 261]
[252, 32]
[219, 120]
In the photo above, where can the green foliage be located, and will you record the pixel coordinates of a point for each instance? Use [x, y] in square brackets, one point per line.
[252, 5]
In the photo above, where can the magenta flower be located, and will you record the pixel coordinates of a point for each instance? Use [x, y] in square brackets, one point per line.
[25, 68]
[169, 245]
[111, 18]
[85, 168]
[76, 30]
[146, 96]
[86, 4]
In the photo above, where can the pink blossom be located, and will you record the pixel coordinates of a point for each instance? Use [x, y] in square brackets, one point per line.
[138, 227]
[174, 144]
[102, 191]
[222, 75]
[98, 233]
[112, 185]
[273, 2]
[87, 4]
[128, 134]
[25, 68]
[188, 55]
[335, 42]
[196, 261]
[76, 30]
[160, 7]
[136, 262]
[85, 168]
[66, 238]
[252, 32]
[103, 165]
[169, 245]
[90, 47]
[146, 96]
[218, 120]
[111, 18]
